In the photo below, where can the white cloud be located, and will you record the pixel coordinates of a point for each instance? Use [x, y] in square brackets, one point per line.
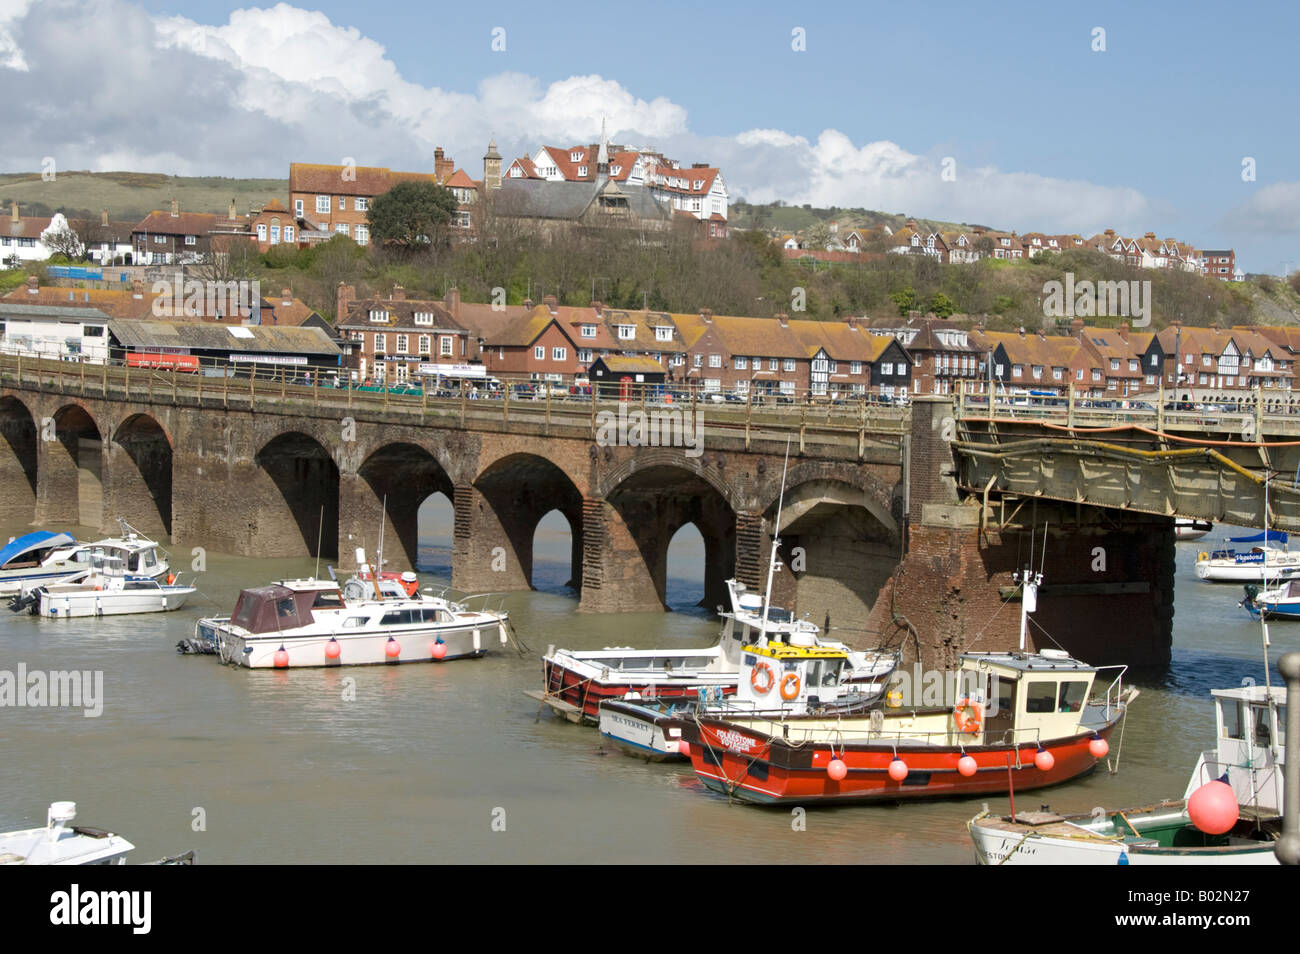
[280, 84]
[1273, 209]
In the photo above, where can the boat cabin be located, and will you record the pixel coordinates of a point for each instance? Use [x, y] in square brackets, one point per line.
[745, 624]
[1041, 695]
[32, 549]
[799, 676]
[279, 607]
[1250, 746]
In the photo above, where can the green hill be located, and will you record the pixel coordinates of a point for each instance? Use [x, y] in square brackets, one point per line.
[131, 196]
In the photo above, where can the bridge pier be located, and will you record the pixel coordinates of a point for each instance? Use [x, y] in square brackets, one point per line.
[1108, 574]
[70, 468]
[615, 575]
[18, 463]
[492, 550]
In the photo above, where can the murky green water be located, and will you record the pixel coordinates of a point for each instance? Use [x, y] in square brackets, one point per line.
[417, 767]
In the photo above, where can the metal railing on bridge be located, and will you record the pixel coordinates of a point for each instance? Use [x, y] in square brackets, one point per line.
[842, 427]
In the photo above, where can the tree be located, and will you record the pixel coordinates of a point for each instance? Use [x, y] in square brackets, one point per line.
[412, 215]
[60, 239]
[905, 299]
[942, 305]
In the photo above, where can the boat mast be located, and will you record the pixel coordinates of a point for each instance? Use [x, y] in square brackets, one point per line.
[1263, 617]
[379, 553]
[776, 538]
[1030, 581]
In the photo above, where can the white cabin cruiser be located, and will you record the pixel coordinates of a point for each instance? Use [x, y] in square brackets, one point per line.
[106, 590]
[39, 558]
[1244, 767]
[311, 622]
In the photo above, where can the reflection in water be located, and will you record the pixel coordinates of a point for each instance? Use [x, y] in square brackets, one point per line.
[407, 764]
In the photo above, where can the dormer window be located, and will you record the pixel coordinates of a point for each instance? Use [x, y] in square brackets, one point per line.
[626, 332]
[699, 184]
[615, 169]
[582, 170]
[423, 317]
[575, 156]
[588, 331]
[378, 315]
[663, 334]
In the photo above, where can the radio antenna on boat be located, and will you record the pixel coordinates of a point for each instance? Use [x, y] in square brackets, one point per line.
[1263, 617]
[776, 537]
[320, 533]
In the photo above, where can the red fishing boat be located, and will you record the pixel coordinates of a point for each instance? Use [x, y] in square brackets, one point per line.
[1031, 721]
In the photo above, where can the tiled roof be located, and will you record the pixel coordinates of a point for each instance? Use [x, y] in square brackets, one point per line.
[185, 223]
[114, 303]
[840, 342]
[27, 226]
[360, 180]
[401, 315]
[525, 329]
[623, 365]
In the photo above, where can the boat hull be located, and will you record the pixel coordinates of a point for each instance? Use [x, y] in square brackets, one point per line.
[642, 732]
[753, 767]
[104, 603]
[355, 649]
[586, 692]
[1092, 842]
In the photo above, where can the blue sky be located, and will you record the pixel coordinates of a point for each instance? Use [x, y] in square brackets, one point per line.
[1047, 134]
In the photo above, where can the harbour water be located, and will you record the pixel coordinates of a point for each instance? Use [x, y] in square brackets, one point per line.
[451, 763]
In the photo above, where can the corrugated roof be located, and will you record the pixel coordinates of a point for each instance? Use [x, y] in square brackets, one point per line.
[214, 337]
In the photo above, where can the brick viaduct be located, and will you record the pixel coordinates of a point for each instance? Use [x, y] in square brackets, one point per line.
[879, 541]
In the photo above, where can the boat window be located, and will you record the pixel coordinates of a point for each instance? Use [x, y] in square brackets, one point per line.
[1040, 697]
[328, 599]
[149, 558]
[399, 618]
[1263, 730]
[832, 676]
[1231, 710]
[813, 674]
[1005, 696]
[285, 608]
[133, 561]
[1071, 697]
[141, 585]
[355, 622]
[1281, 726]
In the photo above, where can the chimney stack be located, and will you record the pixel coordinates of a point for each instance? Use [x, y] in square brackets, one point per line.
[707, 315]
[286, 296]
[103, 217]
[15, 212]
[851, 321]
[452, 301]
[345, 295]
[1123, 330]
[398, 294]
[442, 166]
[234, 213]
[597, 307]
[551, 302]
[1076, 327]
[176, 209]
[528, 304]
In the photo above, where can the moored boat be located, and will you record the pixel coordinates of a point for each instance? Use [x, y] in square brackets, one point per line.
[1259, 564]
[311, 622]
[1032, 723]
[107, 590]
[1276, 602]
[40, 558]
[1249, 753]
[61, 843]
[1185, 528]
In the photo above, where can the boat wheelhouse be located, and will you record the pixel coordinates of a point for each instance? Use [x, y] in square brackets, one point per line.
[60, 843]
[776, 679]
[1030, 718]
[106, 590]
[1250, 749]
[41, 558]
[310, 622]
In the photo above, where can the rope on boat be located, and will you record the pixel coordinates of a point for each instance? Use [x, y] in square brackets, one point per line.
[520, 647]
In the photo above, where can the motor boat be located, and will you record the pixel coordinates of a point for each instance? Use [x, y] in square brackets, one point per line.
[61, 843]
[43, 557]
[106, 590]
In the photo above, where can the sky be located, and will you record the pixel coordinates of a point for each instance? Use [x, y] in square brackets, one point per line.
[1031, 116]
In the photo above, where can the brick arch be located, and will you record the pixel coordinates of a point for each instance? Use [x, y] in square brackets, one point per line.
[877, 498]
[295, 469]
[138, 481]
[19, 460]
[71, 486]
[646, 458]
[390, 484]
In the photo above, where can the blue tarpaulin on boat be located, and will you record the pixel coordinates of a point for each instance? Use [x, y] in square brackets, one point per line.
[1278, 536]
[33, 541]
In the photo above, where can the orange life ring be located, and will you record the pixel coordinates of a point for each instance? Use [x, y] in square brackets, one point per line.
[789, 686]
[970, 724]
[171, 578]
[764, 671]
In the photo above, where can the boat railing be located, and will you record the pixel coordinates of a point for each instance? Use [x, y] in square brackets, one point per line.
[460, 602]
[949, 737]
[1114, 694]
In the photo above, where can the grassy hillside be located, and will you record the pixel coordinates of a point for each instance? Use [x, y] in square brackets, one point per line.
[792, 218]
[131, 196]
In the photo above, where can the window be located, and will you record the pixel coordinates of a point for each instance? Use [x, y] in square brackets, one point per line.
[323, 204]
[1017, 370]
[297, 207]
[275, 235]
[588, 331]
[855, 367]
[582, 171]
[742, 364]
[787, 364]
[341, 228]
[833, 367]
[444, 345]
[699, 360]
[381, 344]
[584, 355]
[663, 334]
[626, 332]
[1037, 371]
[343, 203]
[261, 232]
[288, 232]
[378, 314]
[401, 344]
[1232, 728]
[887, 368]
[1132, 364]
[559, 354]
[190, 240]
[539, 353]
[362, 235]
[715, 361]
[1056, 373]
[423, 317]
[1155, 360]
[1040, 697]
[424, 344]
[361, 204]
[773, 364]
[1096, 374]
[1071, 697]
